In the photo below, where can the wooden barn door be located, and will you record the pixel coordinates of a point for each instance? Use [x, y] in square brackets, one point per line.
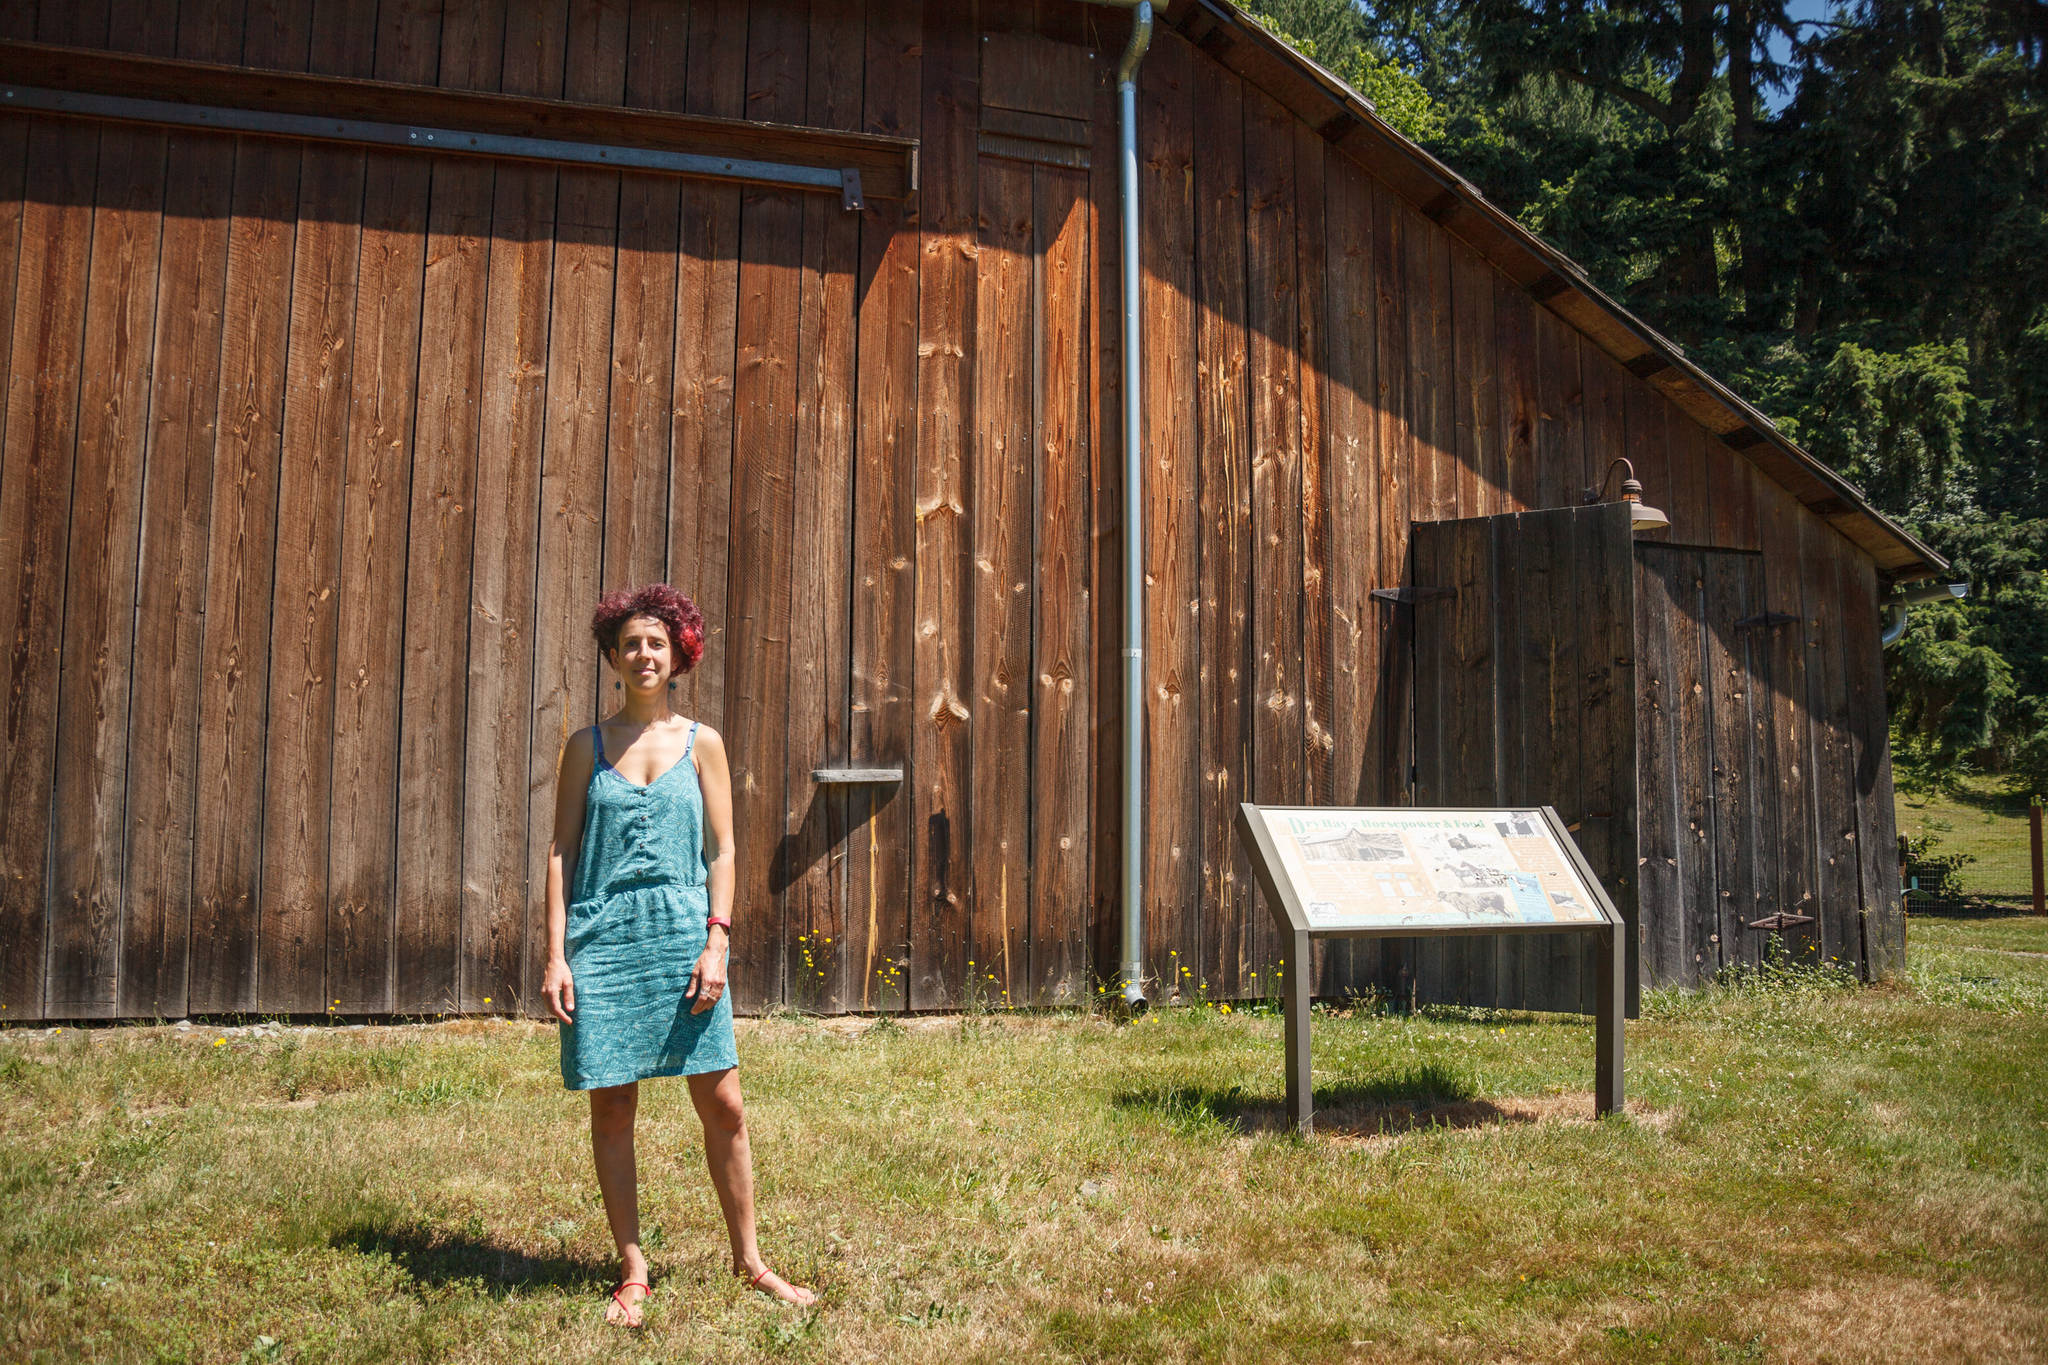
[1705, 730]
[1524, 696]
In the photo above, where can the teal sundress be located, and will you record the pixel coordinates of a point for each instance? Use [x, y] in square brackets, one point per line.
[637, 912]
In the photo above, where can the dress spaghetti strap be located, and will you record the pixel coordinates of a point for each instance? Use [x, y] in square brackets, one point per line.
[598, 730]
[691, 742]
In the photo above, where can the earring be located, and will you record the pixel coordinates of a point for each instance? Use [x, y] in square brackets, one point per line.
[671, 684]
[617, 685]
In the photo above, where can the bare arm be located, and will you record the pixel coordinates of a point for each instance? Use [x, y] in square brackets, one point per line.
[572, 781]
[714, 777]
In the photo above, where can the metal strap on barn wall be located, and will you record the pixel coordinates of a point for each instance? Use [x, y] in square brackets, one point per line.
[305, 127]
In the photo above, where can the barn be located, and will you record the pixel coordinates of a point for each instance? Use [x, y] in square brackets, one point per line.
[351, 348]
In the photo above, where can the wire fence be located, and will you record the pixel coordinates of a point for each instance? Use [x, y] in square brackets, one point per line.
[1994, 874]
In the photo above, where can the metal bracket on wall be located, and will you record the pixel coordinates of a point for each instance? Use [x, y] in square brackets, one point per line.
[1779, 921]
[842, 777]
[1408, 597]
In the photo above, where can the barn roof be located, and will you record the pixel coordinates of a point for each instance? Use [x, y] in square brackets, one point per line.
[1347, 119]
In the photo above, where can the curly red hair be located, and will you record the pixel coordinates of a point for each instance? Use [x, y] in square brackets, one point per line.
[677, 613]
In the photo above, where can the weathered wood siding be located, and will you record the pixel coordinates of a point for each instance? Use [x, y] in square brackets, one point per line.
[315, 458]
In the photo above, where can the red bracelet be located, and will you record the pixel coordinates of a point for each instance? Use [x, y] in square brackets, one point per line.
[721, 922]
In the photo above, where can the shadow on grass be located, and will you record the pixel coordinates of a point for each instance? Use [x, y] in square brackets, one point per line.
[1428, 1095]
[440, 1256]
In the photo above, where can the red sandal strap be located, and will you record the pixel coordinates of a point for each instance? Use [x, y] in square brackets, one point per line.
[755, 1283]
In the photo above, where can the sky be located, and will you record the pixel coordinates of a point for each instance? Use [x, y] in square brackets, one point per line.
[1799, 10]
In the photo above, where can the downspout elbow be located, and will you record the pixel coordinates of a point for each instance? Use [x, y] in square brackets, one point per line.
[1894, 607]
[1134, 50]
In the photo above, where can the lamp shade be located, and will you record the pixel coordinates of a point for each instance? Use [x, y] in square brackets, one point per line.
[1643, 518]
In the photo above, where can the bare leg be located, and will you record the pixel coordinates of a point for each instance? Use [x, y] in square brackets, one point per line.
[612, 1109]
[717, 1097]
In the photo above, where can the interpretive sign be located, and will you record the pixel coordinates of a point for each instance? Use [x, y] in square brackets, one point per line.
[1439, 869]
[1340, 872]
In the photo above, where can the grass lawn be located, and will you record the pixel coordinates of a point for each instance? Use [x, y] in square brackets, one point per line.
[1981, 817]
[1808, 1173]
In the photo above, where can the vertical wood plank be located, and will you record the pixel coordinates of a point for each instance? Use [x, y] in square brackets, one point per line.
[1836, 862]
[1433, 489]
[1514, 324]
[763, 526]
[1472, 757]
[90, 876]
[1560, 430]
[35, 509]
[376, 496]
[1690, 509]
[707, 308]
[1475, 396]
[1318, 682]
[1605, 412]
[76, 23]
[171, 575]
[208, 30]
[1353, 497]
[1795, 878]
[881, 675]
[440, 539]
[1001, 474]
[641, 420]
[1729, 589]
[473, 45]
[1222, 416]
[816, 963]
[566, 673]
[1174, 913]
[1064, 674]
[1276, 457]
[1390, 727]
[305, 602]
[1647, 444]
[942, 850]
[235, 654]
[1699, 895]
[503, 915]
[1426, 281]
[1731, 494]
[1661, 912]
[657, 53]
[36, 473]
[142, 26]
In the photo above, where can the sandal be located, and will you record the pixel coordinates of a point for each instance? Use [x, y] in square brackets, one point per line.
[627, 1308]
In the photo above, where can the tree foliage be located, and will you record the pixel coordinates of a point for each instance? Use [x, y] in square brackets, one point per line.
[1846, 217]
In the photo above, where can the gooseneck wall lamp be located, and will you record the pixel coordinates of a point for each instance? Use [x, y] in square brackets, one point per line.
[1642, 517]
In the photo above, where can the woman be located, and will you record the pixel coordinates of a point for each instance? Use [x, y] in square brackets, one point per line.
[640, 883]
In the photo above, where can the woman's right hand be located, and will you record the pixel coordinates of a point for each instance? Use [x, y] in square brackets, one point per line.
[559, 989]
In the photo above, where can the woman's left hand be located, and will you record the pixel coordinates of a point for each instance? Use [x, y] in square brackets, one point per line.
[707, 979]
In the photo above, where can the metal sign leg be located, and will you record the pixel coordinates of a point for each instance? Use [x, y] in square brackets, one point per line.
[1610, 1004]
[1301, 1095]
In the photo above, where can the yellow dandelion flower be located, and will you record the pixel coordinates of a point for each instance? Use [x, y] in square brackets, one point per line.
[220, 1042]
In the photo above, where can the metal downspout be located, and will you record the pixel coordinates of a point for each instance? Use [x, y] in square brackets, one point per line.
[1134, 524]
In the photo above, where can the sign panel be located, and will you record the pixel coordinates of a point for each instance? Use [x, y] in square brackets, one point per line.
[1422, 870]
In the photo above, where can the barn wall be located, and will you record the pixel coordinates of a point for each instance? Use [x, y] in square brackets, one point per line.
[315, 459]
